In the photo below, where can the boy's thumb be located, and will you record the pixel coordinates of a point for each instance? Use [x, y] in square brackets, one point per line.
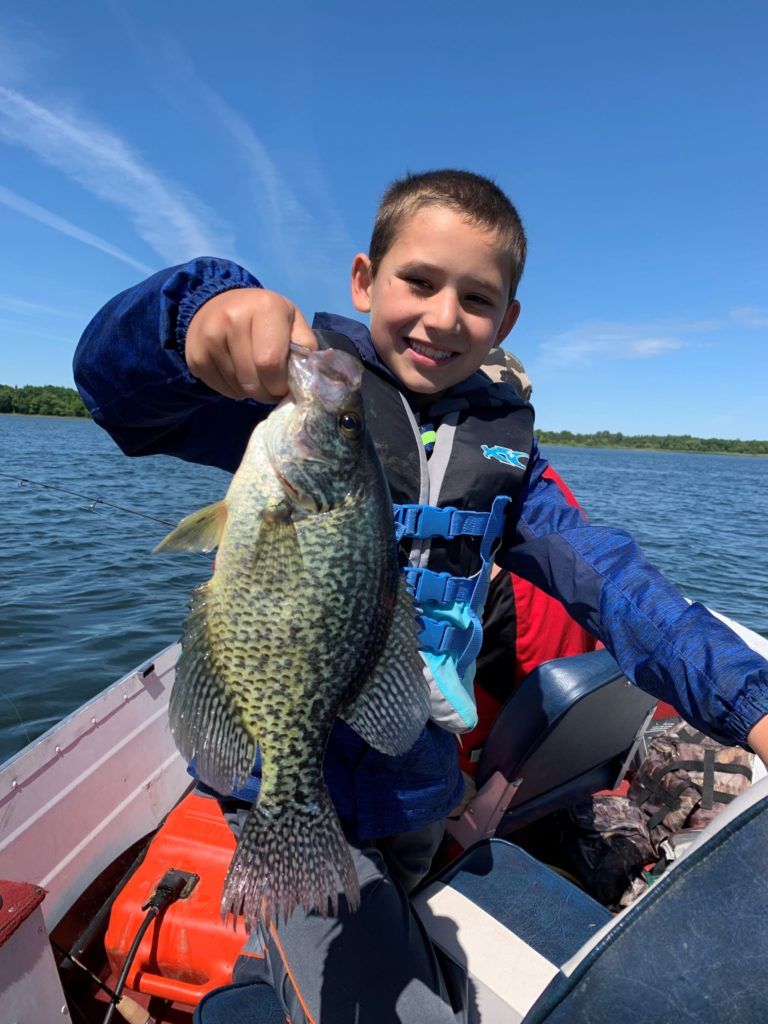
[301, 332]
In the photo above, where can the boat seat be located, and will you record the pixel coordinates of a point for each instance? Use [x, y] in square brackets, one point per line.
[567, 731]
[694, 946]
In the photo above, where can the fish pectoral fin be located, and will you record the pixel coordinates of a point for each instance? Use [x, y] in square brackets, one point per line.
[278, 554]
[393, 705]
[206, 723]
[200, 531]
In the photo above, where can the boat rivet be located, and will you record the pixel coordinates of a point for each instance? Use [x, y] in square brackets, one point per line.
[64, 1011]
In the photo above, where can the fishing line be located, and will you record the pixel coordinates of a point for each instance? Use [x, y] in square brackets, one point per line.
[21, 480]
[16, 711]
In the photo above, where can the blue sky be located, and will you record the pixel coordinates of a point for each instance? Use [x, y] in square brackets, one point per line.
[632, 138]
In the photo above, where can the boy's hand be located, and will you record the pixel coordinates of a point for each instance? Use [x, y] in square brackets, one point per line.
[238, 343]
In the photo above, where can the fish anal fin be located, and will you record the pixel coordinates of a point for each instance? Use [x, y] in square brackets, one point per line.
[200, 531]
[393, 705]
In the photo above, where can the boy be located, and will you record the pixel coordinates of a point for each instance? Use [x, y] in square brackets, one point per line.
[439, 282]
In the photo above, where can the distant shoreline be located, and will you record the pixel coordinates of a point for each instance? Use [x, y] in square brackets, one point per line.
[663, 451]
[45, 416]
[654, 443]
[41, 400]
[65, 403]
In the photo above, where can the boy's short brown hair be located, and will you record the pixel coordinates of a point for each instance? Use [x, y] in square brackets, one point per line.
[477, 198]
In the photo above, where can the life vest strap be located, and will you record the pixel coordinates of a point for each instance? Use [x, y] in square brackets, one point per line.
[440, 587]
[439, 637]
[425, 521]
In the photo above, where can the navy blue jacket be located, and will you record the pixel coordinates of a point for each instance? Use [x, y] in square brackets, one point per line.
[131, 373]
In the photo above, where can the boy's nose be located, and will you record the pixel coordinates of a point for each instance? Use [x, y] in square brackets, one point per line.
[444, 312]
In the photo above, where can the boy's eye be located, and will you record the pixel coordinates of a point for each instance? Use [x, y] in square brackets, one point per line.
[481, 300]
[418, 283]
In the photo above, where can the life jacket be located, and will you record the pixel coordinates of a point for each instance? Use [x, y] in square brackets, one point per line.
[522, 628]
[482, 445]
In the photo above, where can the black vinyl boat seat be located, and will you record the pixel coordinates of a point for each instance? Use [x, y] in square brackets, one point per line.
[540, 951]
[566, 732]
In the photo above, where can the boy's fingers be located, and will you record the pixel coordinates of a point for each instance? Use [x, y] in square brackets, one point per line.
[212, 369]
[238, 343]
[246, 375]
[271, 338]
[301, 332]
[221, 375]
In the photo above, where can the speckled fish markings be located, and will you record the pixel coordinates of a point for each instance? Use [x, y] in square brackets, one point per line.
[306, 617]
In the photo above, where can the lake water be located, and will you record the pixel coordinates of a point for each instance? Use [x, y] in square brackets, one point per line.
[83, 600]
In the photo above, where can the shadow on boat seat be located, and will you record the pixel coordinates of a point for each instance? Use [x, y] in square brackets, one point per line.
[566, 732]
[694, 947]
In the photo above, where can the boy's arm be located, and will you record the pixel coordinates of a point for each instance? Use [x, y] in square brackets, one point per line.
[131, 364]
[676, 651]
[758, 739]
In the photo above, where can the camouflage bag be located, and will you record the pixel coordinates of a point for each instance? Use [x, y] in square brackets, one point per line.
[606, 845]
[686, 779]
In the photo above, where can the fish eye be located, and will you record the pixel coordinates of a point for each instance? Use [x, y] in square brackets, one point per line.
[350, 424]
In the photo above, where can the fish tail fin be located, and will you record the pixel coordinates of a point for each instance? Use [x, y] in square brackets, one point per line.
[289, 860]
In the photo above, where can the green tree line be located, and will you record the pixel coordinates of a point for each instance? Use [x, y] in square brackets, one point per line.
[48, 400]
[666, 442]
[52, 400]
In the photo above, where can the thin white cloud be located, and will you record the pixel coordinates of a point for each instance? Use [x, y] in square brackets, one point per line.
[11, 304]
[301, 231]
[611, 341]
[24, 51]
[52, 220]
[647, 348]
[750, 316]
[302, 242]
[10, 328]
[172, 221]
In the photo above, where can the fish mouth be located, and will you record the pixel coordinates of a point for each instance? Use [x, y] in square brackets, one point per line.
[326, 375]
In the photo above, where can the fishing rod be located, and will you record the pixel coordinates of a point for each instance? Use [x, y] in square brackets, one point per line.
[22, 481]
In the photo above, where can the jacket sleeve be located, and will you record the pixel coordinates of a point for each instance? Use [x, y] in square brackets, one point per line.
[676, 651]
[130, 370]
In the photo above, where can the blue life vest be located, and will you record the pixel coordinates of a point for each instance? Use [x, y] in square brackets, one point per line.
[481, 449]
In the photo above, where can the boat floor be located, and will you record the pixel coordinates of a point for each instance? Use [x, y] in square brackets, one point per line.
[91, 1007]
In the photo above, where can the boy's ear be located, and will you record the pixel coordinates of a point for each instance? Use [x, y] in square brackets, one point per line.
[361, 283]
[509, 321]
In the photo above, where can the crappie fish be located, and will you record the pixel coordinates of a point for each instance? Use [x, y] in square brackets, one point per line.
[306, 617]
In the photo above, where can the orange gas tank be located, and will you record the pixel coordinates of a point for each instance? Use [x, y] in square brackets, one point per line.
[188, 949]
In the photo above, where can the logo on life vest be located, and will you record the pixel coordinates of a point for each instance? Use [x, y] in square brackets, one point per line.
[506, 455]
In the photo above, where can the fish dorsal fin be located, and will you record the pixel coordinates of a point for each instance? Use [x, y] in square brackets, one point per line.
[393, 705]
[200, 531]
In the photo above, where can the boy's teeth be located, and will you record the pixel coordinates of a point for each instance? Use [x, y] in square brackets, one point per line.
[425, 350]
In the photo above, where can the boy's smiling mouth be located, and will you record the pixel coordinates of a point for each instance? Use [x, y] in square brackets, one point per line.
[435, 355]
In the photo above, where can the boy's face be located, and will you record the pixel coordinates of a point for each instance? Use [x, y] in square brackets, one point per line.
[439, 302]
